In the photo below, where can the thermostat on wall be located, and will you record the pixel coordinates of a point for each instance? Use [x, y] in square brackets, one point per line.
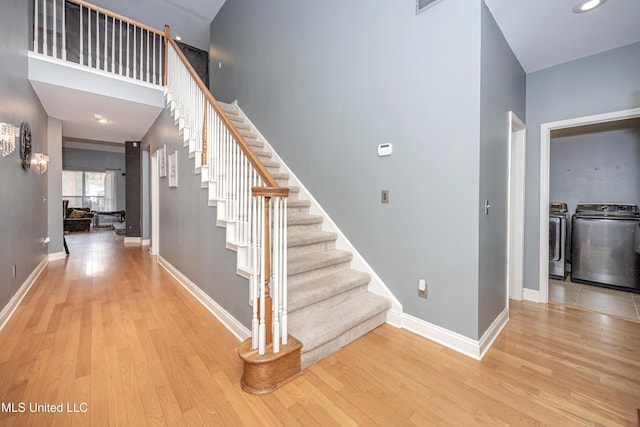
[385, 149]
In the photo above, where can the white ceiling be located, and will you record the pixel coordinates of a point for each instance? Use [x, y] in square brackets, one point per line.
[542, 33]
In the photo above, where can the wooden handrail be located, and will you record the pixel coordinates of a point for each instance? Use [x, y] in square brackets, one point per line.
[260, 168]
[115, 15]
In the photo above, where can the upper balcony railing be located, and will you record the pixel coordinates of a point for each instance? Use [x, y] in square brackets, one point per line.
[76, 31]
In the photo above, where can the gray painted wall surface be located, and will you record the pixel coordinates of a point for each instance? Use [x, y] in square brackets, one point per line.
[23, 213]
[596, 167]
[503, 86]
[601, 83]
[326, 82]
[97, 161]
[189, 237]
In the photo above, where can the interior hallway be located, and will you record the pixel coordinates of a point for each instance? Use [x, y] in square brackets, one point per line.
[110, 328]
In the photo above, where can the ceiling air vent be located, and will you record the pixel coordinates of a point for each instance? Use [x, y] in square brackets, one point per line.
[422, 5]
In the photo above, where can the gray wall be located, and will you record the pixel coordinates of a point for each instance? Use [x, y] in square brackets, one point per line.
[326, 82]
[97, 161]
[597, 84]
[189, 238]
[23, 212]
[596, 167]
[503, 86]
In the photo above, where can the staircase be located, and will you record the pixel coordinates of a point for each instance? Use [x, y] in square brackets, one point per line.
[328, 302]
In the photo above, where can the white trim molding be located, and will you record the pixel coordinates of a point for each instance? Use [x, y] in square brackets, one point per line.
[532, 295]
[230, 322]
[455, 341]
[56, 256]
[15, 301]
[133, 241]
[146, 242]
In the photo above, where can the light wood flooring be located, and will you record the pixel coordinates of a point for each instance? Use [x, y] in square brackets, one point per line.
[109, 328]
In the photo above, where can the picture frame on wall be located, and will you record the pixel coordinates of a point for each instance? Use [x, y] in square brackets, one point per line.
[162, 161]
[173, 169]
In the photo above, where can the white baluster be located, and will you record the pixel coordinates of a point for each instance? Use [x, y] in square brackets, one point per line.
[155, 76]
[285, 279]
[36, 26]
[127, 52]
[113, 45]
[45, 16]
[106, 43]
[97, 40]
[89, 55]
[275, 287]
[120, 50]
[135, 52]
[148, 56]
[54, 33]
[64, 29]
[262, 329]
[81, 39]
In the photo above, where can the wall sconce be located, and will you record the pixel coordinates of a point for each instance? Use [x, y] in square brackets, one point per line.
[7, 139]
[41, 161]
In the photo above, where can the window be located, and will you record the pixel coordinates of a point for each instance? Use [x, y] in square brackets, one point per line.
[84, 189]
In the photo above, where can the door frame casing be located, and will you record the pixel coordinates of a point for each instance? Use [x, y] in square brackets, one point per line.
[154, 248]
[545, 160]
[516, 203]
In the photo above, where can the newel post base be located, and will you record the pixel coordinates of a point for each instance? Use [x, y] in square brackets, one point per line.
[264, 374]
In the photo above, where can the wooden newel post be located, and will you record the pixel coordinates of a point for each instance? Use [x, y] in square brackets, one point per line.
[268, 306]
[204, 133]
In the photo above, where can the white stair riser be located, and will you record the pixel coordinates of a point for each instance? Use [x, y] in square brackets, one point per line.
[313, 247]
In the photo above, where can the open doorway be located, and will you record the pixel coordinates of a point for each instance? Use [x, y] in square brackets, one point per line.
[545, 149]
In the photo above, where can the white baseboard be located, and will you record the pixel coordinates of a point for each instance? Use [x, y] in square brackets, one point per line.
[453, 340]
[490, 335]
[133, 241]
[146, 242]
[13, 304]
[531, 295]
[230, 322]
[56, 256]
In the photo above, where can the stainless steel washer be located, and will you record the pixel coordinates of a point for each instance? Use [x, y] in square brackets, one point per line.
[606, 245]
[558, 217]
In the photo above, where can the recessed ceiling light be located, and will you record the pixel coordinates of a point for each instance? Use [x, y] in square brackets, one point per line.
[587, 5]
[179, 38]
[97, 116]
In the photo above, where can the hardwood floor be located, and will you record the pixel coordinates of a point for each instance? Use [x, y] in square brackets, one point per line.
[109, 329]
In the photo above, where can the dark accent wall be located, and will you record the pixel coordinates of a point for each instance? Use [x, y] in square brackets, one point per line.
[23, 204]
[198, 58]
[133, 170]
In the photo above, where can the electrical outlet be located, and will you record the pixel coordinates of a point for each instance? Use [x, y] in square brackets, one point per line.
[384, 196]
[422, 289]
[13, 271]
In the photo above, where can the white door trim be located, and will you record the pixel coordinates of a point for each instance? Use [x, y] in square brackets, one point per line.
[516, 200]
[155, 205]
[545, 142]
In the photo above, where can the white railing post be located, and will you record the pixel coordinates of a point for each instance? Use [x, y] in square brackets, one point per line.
[36, 26]
[64, 29]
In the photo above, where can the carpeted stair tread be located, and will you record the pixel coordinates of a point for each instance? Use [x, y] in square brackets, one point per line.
[304, 219]
[310, 238]
[316, 260]
[316, 329]
[312, 291]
